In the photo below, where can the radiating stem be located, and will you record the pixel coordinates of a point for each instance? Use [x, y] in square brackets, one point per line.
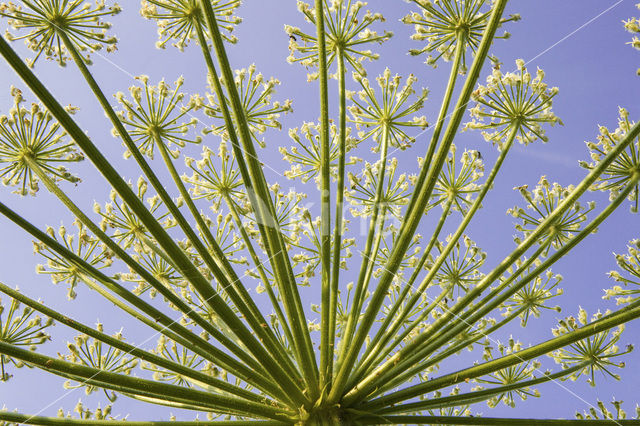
[260, 198]
[423, 194]
[137, 386]
[367, 260]
[131, 349]
[326, 351]
[247, 306]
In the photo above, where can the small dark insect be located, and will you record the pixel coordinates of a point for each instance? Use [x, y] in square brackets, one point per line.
[292, 37]
[479, 155]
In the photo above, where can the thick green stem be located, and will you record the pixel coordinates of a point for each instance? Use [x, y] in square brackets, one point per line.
[423, 194]
[187, 269]
[138, 386]
[57, 421]
[260, 198]
[337, 230]
[252, 372]
[326, 351]
[477, 396]
[492, 302]
[623, 316]
[142, 354]
[258, 265]
[240, 296]
[366, 264]
[54, 189]
[387, 332]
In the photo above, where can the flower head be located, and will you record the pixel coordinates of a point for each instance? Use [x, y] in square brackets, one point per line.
[389, 115]
[457, 185]
[255, 96]
[515, 99]
[168, 349]
[461, 268]
[626, 165]
[445, 24]
[395, 192]
[533, 297]
[20, 329]
[596, 352]
[630, 266]
[154, 116]
[304, 157]
[127, 227]
[61, 269]
[178, 19]
[54, 23]
[93, 353]
[32, 138]
[346, 32]
[544, 199]
[509, 376]
[213, 181]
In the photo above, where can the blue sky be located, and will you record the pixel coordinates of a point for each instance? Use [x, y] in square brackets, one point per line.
[580, 44]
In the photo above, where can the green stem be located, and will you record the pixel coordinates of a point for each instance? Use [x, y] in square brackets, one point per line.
[477, 396]
[55, 190]
[412, 219]
[57, 421]
[623, 316]
[259, 195]
[138, 386]
[488, 421]
[326, 352]
[187, 269]
[197, 376]
[365, 269]
[251, 373]
[365, 386]
[386, 332]
[487, 305]
[240, 296]
[337, 230]
[258, 265]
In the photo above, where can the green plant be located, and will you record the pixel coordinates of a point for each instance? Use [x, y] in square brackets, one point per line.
[415, 303]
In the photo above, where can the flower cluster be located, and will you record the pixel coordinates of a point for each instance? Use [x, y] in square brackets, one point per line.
[633, 26]
[154, 116]
[30, 137]
[513, 101]
[128, 228]
[387, 116]
[544, 199]
[457, 186]
[93, 353]
[624, 168]
[534, 296]
[395, 190]
[630, 264]
[20, 329]
[346, 33]
[509, 376]
[255, 95]
[447, 24]
[605, 413]
[54, 26]
[595, 353]
[169, 350]
[304, 157]
[83, 245]
[461, 268]
[216, 182]
[179, 19]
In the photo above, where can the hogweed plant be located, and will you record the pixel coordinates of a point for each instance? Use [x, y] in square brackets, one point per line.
[190, 247]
